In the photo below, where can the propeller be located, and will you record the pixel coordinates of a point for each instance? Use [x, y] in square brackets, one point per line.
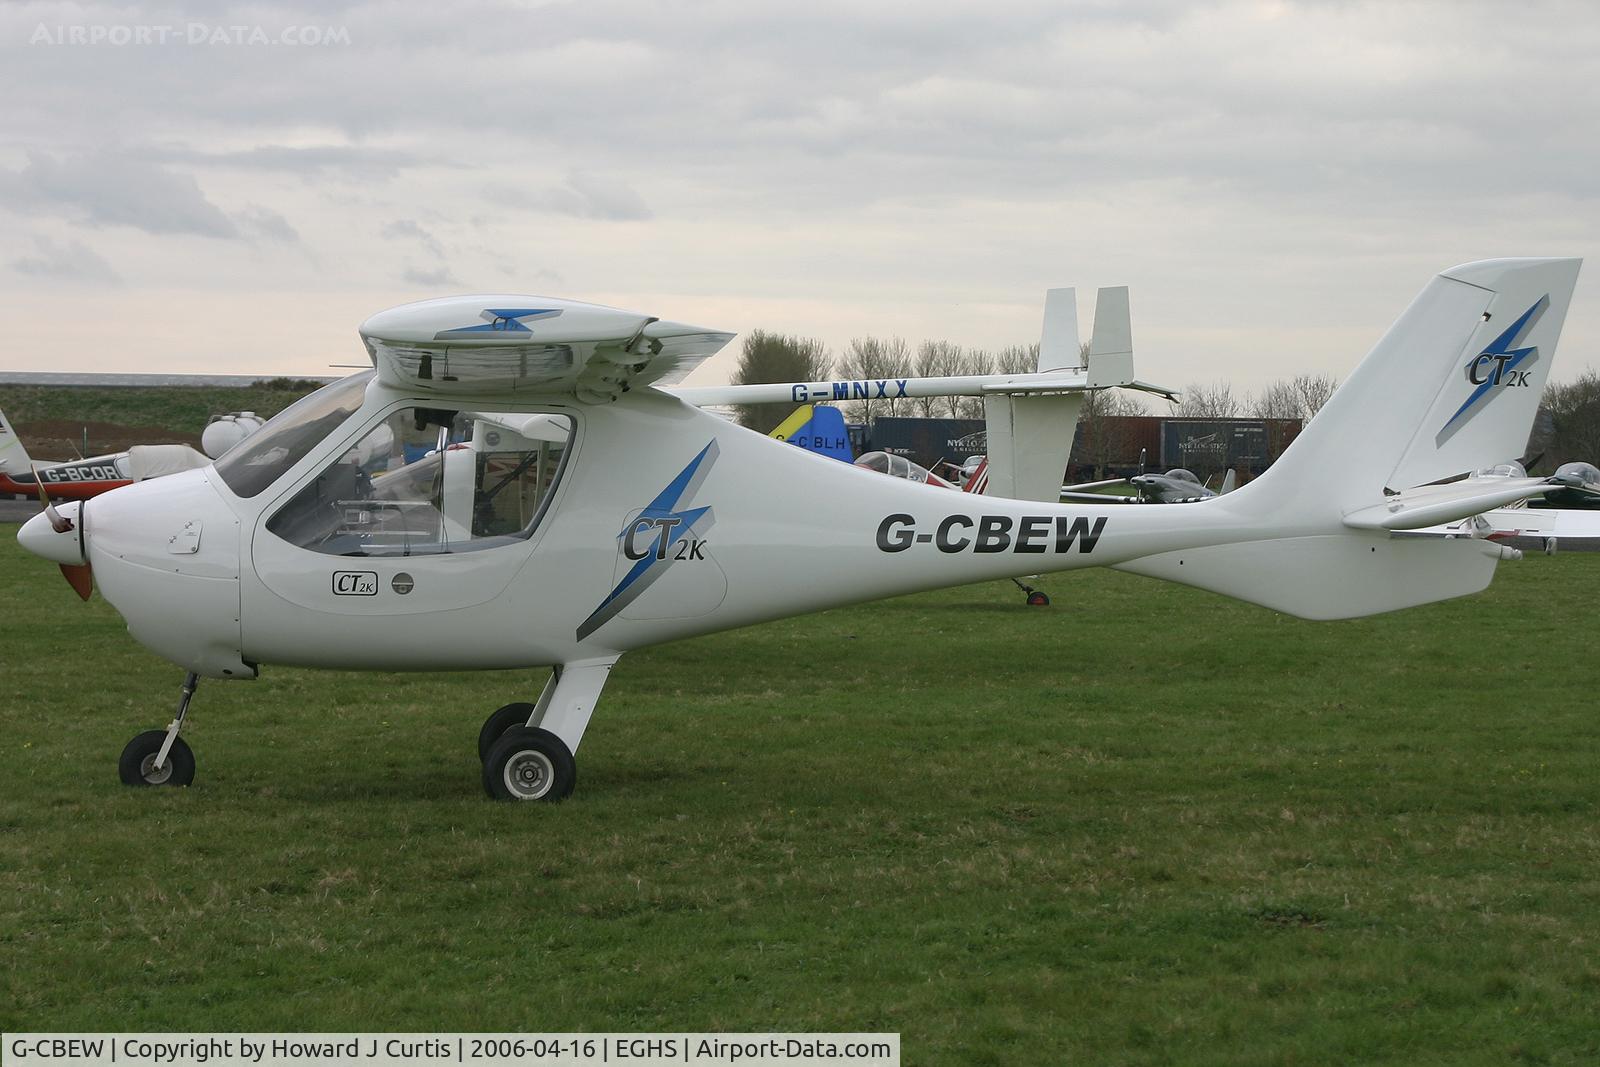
[80, 576]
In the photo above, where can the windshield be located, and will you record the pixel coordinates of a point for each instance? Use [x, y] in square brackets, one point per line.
[257, 461]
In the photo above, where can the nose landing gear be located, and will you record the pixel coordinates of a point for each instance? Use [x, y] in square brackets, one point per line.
[161, 757]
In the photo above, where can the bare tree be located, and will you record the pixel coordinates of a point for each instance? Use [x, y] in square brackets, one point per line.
[876, 359]
[776, 357]
[937, 359]
[1017, 359]
[1213, 401]
[1314, 391]
[1279, 400]
[974, 361]
[1575, 418]
[1103, 436]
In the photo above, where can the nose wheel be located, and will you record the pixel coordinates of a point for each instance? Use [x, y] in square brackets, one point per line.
[138, 763]
[161, 757]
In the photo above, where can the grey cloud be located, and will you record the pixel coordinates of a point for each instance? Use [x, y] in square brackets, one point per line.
[351, 161]
[410, 230]
[592, 196]
[266, 223]
[73, 261]
[430, 278]
[108, 188]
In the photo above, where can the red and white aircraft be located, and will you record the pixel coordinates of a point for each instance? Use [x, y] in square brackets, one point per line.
[80, 479]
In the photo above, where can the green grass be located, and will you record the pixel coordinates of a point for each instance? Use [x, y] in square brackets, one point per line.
[1145, 826]
[167, 407]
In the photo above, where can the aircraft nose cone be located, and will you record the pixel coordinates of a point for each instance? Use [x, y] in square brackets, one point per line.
[40, 538]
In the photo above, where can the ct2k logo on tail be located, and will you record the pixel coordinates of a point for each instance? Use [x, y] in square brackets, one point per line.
[1500, 366]
[667, 531]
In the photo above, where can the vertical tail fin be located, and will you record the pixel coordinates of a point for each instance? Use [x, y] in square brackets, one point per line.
[1452, 386]
[817, 428]
[13, 457]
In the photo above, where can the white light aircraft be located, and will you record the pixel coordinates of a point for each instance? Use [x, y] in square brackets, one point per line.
[646, 519]
[1573, 491]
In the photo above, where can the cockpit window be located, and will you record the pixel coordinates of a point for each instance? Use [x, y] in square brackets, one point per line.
[258, 460]
[425, 482]
[1183, 475]
[1584, 472]
[1501, 470]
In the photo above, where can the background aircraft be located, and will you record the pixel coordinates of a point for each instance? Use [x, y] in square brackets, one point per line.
[1176, 486]
[1573, 493]
[651, 520]
[81, 479]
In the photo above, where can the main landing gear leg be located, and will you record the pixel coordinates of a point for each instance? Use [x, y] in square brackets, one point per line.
[534, 760]
[161, 757]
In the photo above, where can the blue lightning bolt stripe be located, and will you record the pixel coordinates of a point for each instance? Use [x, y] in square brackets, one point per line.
[653, 565]
[503, 320]
[1502, 347]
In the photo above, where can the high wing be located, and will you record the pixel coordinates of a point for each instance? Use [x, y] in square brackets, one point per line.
[532, 345]
[1103, 498]
[1089, 487]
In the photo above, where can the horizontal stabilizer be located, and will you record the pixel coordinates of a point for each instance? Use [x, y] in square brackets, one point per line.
[1101, 498]
[1429, 505]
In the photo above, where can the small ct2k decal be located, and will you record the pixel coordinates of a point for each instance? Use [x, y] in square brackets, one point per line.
[355, 583]
[993, 533]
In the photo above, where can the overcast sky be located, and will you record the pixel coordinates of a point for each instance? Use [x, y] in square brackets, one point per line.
[196, 188]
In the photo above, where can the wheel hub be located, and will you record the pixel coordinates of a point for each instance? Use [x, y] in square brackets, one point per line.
[147, 768]
[529, 775]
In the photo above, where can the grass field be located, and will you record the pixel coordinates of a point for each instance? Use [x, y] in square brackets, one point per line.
[1146, 825]
[186, 407]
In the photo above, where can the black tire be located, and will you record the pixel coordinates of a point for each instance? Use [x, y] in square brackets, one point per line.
[528, 763]
[134, 766]
[495, 726]
[1037, 599]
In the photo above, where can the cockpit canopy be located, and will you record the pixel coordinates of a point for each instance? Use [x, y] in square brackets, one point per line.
[1588, 473]
[1502, 470]
[1183, 475]
[897, 466]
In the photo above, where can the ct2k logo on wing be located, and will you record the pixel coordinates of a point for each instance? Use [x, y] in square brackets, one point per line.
[664, 533]
[1500, 366]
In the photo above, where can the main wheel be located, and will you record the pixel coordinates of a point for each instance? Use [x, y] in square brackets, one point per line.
[1038, 599]
[495, 726]
[528, 763]
[138, 763]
